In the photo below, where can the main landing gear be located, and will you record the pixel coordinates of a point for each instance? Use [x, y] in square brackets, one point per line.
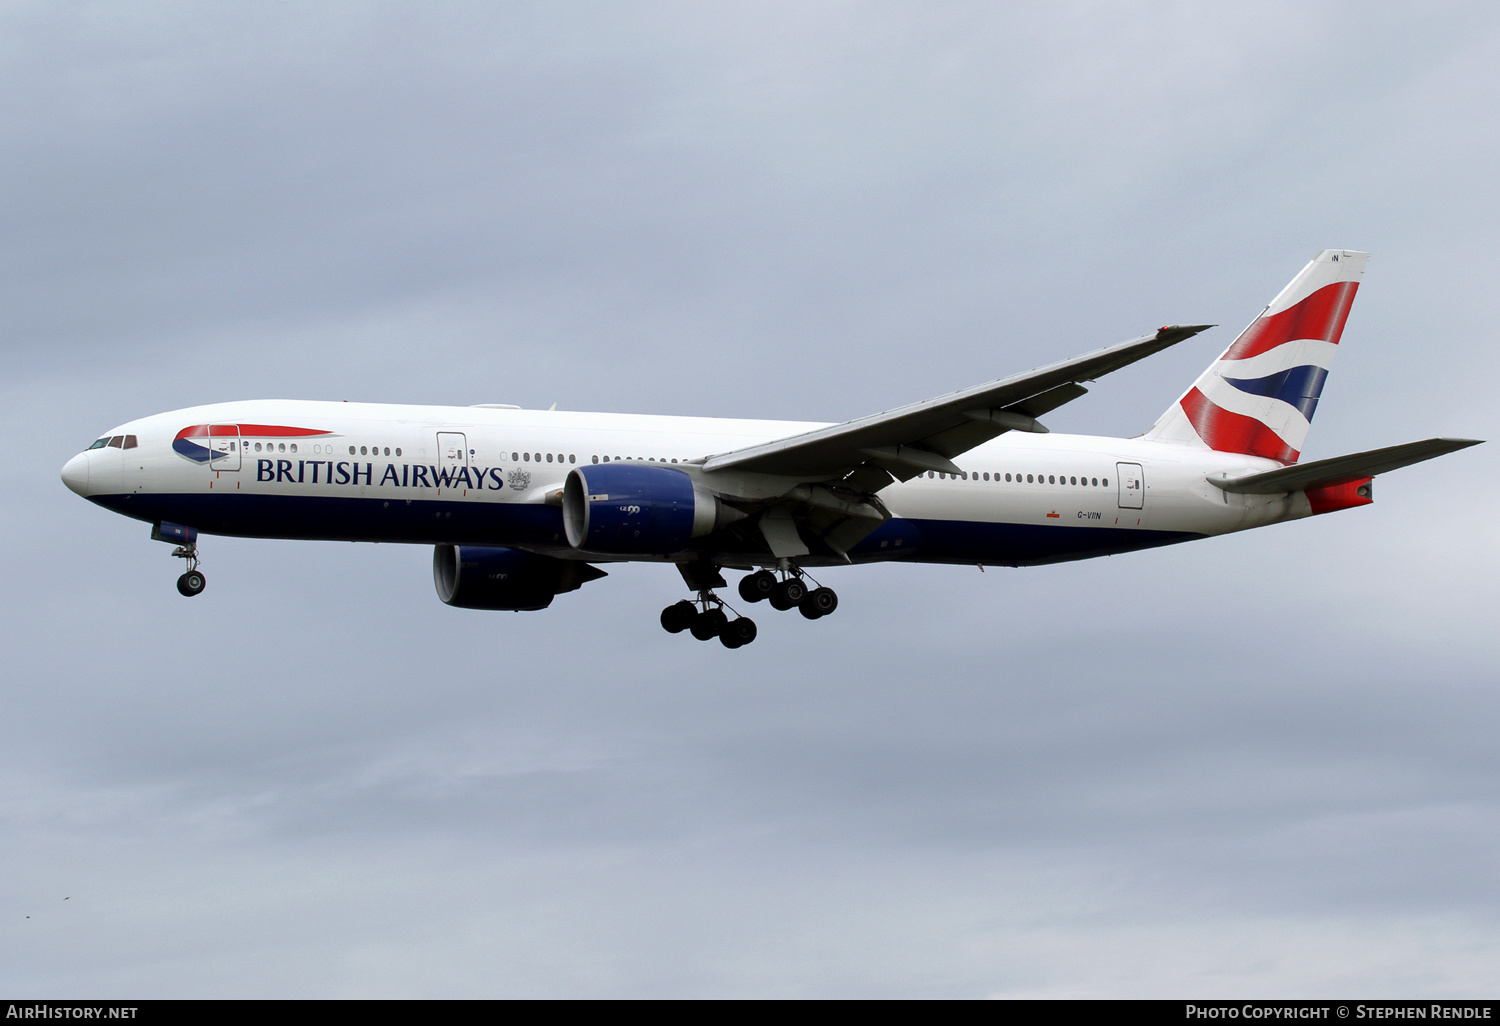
[192, 582]
[705, 619]
[789, 592]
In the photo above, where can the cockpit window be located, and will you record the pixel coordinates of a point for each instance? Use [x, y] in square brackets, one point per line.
[131, 442]
[115, 441]
[101, 443]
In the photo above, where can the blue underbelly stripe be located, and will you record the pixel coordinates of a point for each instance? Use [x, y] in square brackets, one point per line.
[428, 522]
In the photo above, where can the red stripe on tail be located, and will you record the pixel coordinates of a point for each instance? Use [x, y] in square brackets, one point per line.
[1320, 316]
[1233, 432]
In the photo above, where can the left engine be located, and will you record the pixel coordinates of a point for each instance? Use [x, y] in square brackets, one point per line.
[477, 577]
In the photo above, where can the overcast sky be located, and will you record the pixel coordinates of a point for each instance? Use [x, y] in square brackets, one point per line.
[1264, 764]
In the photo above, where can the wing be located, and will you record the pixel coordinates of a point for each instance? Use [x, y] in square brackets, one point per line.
[925, 436]
[842, 467]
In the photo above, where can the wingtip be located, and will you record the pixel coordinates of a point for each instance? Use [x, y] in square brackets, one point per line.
[1178, 332]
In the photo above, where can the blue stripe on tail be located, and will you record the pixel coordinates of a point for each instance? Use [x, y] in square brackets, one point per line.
[1297, 386]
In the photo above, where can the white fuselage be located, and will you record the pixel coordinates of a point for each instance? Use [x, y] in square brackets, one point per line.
[468, 475]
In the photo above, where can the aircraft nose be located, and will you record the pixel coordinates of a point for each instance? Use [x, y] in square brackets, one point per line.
[75, 474]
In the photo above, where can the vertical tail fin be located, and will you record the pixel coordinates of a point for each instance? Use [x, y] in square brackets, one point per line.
[1259, 397]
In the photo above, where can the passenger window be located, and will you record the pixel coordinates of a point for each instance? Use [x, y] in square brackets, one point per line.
[572, 459]
[1096, 482]
[1106, 482]
[351, 449]
[130, 442]
[526, 456]
[294, 447]
[388, 450]
[595, 459]
[1074, 480]
[1051, 479]
[549, 457]
[398, 450]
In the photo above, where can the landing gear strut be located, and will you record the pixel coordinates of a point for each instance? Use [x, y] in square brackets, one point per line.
[192, 582]
[789, 592]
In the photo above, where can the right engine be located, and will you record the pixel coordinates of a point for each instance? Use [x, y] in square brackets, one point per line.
[631, 509]
[477, 577]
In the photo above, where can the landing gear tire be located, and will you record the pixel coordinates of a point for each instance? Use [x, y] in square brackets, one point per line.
[757, 586]
[191, 583]
[707, 624]
[818, 602]
[788, 593]
[678, 617]
[737, 632]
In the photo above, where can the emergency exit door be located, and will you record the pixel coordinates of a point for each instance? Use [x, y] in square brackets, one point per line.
[224, 447]
[1132, 482]
[453, 451]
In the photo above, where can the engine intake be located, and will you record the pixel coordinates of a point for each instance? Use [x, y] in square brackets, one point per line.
[476, 577]
[630, 509]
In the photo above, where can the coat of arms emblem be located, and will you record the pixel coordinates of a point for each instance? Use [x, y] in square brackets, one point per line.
[519, 479]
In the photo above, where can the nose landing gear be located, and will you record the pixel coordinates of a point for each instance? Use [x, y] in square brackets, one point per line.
[192, 582]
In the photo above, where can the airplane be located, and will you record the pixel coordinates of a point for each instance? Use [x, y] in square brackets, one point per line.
[520, 505]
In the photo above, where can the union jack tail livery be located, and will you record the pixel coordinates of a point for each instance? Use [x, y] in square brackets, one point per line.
[1259, 397]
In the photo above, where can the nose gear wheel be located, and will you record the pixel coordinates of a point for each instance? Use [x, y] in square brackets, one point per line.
[193, 582]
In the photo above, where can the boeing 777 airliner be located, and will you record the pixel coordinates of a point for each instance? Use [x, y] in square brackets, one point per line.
[520, 504]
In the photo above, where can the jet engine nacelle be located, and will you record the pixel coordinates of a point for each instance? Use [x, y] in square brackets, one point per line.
[631, 509]
[476, 577]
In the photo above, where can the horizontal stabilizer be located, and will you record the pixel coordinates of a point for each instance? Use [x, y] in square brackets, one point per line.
[1341, 469]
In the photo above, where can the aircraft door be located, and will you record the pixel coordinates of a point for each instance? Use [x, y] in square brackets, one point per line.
[224, 444]
[453, 451]
[1132, 483]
